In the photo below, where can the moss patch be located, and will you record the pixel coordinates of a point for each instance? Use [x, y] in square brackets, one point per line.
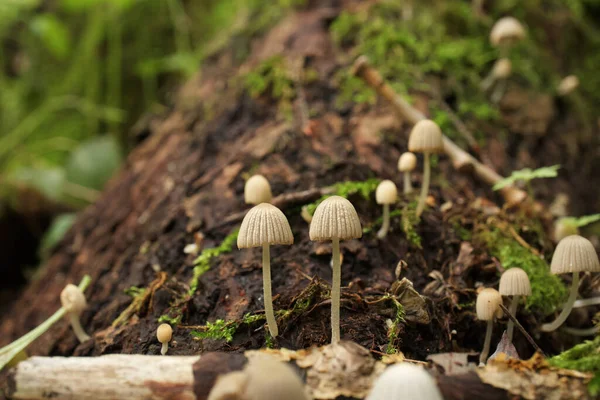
[583, 357]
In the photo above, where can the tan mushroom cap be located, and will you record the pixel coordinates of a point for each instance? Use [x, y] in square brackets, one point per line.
[335, 217]
[502, 68]
[506, 30]
[515, 282]
[264, 224]
[426, 137]
[574, 254]
[567, 85]
[386, 193]
[164, 333]
[407, 162]
[488, 304]
[73, 299]
[257, 190]
[270, 379]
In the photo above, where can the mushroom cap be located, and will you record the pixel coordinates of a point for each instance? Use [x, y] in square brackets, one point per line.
[515, 282]
[335, 217]
[386, 193]
[257, 190]
[573, 254]
[270, 379]
[426, 137]
[264, 224]
[73, 299]
[229, 386]
[502, 68]
[405, 381]
[567, 85]
[506, 30]
[164, 333]
[488, 303]
[407, 162]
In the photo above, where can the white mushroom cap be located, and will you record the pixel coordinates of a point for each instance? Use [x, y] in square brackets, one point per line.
[386, 193]
[405, 381]
[164, 333]
[488, 304]
[335, 217]
[502, 68]
[407, 162]
[73, 299]
[515, 282]
[426, 137]
[264, 224]
[506, 30]
[573, 254]
[270, 379]
[257, 190]
[567, 85]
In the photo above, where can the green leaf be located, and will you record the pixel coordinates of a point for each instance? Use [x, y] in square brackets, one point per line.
[53, 33]
[582, 221]
[527, 175]
[57, 230]
[48, 182]
[94, 162]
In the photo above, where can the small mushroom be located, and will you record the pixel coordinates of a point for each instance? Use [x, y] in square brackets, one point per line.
[386, 194]
[488, 307]
[406, 163]
[573, 254]
[567, 85]
[265, 225]
[506, 32]
[426, 138]
[514, 282]
[257, 190]
[405, 381]
[73, 300]
[335, 219]
[164, 334]
[501, 70]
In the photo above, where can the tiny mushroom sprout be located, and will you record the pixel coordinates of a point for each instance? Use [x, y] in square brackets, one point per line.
[73, 301]
[567, 85]
[164, 333]
[335, 219]
[386, 194]
[501, 70]
[265, 225]
[257, 190]
[506, 31]
[406, 163]
[426, 138]
[514, 282]
[405, 381]
[487, 306]
[573, 254]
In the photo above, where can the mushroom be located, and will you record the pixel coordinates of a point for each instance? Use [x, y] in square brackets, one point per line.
[405, 381]
[567, 85]
[73, 301]
[265, 225]
[257, 190]
[514, 282]
[164, 333]
[386, 194]
[488, 307]
[426, 138]
[501, 70]
[335, 219]
[506, 32]
[572, 255]
[406, 163]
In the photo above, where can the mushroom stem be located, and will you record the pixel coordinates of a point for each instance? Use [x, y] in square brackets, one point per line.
[554, 325]
[582, 332]
[586, 302]
[336, 282]
[425, 185]
[385, 226]
[486, 344]
[164, 348]
[407, 184]
[513, 311]
[77, 329]
[488, 82]
[267, 291]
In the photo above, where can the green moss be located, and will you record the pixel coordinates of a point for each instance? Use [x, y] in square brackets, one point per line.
[409, 221]
[134, 291]
[584, 357]
[547, 290]
[394, 328]
[169, 319]
[272, 78]
[345, 189]
[220, 329]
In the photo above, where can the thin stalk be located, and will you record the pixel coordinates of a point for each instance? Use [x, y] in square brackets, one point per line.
[267, 291]
[77, 329]
[385, 226]
[486, 345]
[336, 283]
[587, 302]
[425, 185]
[554, 325]
[407, 183]
[164, 348]
[513, 311]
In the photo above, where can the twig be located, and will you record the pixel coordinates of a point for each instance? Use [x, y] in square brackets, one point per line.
[461, 160]
[457, 122]
[523, 331]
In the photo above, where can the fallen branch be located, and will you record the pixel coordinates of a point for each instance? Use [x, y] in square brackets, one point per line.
[461, 160]
[523, 331]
